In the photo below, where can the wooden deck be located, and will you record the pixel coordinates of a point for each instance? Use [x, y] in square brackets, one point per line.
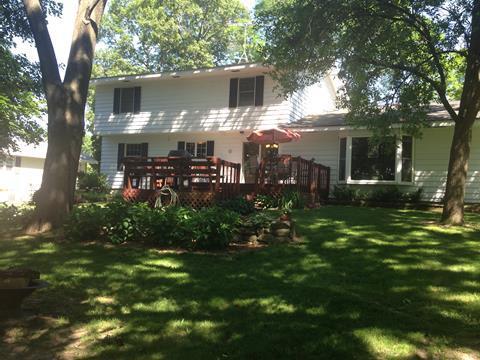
[295, 174]
[198, 181]
[201, 182]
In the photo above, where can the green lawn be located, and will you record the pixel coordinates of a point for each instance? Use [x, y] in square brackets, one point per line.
[362, 283]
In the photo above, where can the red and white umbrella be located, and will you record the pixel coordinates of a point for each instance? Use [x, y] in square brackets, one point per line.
[273, 136]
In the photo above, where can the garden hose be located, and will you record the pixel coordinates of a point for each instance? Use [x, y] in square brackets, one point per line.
[164, 191]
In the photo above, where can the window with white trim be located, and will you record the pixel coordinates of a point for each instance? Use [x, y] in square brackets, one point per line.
[246, 91]
[362, 160]
[373, 161]
[200, 149]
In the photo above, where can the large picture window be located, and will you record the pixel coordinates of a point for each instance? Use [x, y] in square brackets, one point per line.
[361, 159]
[373, 161]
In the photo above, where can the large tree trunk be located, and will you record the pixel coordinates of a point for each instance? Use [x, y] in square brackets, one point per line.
[453, 209]
[55, 197]
[66, 109]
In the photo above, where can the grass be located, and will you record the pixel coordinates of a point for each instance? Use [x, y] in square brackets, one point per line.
[362, 283]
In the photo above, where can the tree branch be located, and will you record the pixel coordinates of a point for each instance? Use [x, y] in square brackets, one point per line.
[439, 89]
[48, 62]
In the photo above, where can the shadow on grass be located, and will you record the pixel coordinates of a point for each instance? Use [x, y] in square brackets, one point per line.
[363, 283]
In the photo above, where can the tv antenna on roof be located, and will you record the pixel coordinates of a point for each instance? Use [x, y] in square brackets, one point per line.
[244, 56]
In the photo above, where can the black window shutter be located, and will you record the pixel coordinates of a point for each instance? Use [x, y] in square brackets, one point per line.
[210, 147]
[181, 145]
[144, 149]
[18, 161]
[232, 103]
[137, 99]
[116, 101]
[120, 156]
[259, 81]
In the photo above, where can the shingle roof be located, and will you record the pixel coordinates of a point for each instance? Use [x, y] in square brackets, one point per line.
[337, 118]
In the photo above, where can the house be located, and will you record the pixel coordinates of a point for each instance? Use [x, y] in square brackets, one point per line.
[21, 172]
[210, 112]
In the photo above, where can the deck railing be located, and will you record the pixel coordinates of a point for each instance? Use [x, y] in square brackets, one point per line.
[210, 174]
[295, 173]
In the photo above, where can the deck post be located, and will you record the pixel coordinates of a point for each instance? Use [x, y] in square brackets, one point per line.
[237, 178]
[327, 190]
[218, 174]
[299, 173]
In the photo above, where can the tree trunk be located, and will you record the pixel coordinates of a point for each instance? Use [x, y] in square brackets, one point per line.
[453, 209]
[66, 109]
[55, 198]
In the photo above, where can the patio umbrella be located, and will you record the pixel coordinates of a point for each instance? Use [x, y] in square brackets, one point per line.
[272, 136]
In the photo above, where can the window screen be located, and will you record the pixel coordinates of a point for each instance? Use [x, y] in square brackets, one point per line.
[373, 161]
[246, 92]
[133, 150]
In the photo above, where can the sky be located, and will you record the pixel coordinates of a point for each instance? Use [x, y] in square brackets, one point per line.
[61, 29]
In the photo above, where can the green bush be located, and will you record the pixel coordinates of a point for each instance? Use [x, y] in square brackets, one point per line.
[415, 196]
[171, 226]
[87, 196]
[346, 193]
[93, 181]
[258, 220]
[239, 205]
[389, 194]
[119, 222]
[12, 216]
[266, 201]
[291, 200]
[85, 223]
[213, 228]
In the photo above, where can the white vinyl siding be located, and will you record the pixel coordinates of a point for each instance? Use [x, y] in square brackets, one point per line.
[431, 155]
[228, 146]
[188, 105]
[430, 160]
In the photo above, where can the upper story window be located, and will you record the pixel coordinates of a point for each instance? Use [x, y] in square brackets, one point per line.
[127, 100]
[246, 91]
[362, 160]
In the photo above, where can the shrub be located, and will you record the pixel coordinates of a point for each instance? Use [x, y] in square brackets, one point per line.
[345, 193]
[266, 201]
[291, 200]
[87, 196]
[120, 222]
[93, 181]
[387, 195]
[259, 220]
[85, 223]
[171, 226]
[415, 196]
[213, 228]
[239, 205]
[12, 216]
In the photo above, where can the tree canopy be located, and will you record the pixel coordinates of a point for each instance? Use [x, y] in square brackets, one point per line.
[20, 87]
[394, 57]
[152, 36]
